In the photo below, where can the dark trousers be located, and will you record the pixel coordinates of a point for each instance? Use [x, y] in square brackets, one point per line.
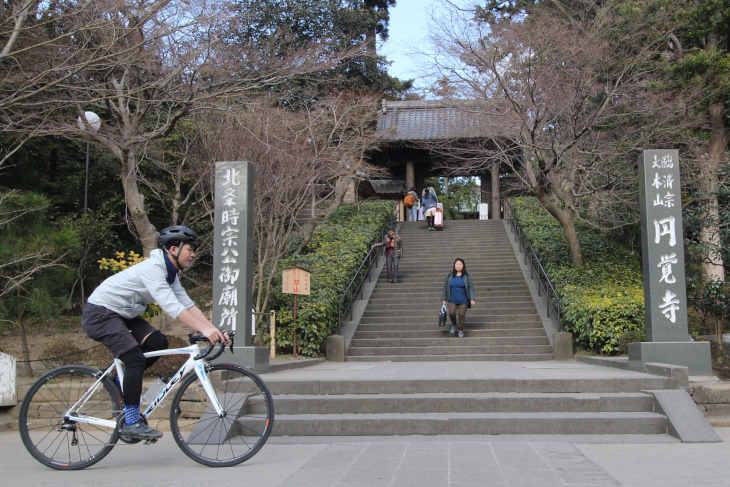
[392, 266]
[457, 310]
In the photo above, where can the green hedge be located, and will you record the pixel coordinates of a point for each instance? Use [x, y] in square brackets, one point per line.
[603, 301]
[334, 254]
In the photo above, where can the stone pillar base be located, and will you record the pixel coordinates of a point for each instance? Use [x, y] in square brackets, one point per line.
[563, 345]
[254, 358]
[335, 348]
[696, 356]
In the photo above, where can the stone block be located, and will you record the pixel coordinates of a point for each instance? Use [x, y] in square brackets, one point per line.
[693, 355]
[254, 358]
[712, 394]
[8, 389]
[717, 410]
[563, 345]
[679, 375]
[335, 348]
[684, 420]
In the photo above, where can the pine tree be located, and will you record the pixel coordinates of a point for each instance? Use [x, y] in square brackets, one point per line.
[32, 275]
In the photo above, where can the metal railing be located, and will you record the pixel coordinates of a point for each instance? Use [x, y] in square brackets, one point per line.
[536, 269]
[355, 288]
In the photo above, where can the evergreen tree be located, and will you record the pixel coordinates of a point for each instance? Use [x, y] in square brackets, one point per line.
[33, 278]
[333, 26]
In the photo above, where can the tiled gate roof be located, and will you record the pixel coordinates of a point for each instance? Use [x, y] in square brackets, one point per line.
[429, 120]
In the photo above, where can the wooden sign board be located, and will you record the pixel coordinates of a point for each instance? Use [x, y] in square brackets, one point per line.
[295, 280]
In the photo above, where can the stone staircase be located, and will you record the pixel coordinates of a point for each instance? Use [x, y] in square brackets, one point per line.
[400, 322]
[419, 380]
[465, 406]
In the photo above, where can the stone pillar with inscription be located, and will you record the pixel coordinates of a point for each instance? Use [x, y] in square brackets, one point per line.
[662, 244]
[233, 262]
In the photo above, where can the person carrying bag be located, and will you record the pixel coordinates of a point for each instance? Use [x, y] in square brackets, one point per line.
[458, 295]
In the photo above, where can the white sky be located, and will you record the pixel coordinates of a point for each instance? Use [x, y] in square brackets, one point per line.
[407, 31]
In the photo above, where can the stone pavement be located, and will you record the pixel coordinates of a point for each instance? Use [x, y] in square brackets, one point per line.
[631, 461]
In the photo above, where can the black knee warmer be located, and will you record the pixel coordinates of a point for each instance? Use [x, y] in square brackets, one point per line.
[134, 365]
[155, 341]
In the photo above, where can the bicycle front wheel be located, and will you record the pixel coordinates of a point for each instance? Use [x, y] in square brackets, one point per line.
[46, 430]
[232, 437]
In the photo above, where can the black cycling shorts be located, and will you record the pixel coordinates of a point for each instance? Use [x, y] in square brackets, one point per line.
[117, 333]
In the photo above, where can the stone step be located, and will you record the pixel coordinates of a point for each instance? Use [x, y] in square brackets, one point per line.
[389, 300]
[410, 307]
[451, 350]
[475, 314]
[466, 385]
[404, 290]
[523, 357]
[439, 333]
[467, 424]
[449, 341]
[463, 403]
[505, 271]
[478, 279]
[429, 325]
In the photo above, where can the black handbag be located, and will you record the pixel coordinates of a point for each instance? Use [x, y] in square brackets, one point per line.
[442, 316]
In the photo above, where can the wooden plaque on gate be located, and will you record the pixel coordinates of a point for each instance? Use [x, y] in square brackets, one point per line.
[295, 280]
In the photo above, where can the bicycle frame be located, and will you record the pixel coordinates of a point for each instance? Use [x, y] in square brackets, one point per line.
[190, 365]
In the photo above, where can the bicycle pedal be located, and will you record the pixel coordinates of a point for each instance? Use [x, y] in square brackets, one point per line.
[149, 442]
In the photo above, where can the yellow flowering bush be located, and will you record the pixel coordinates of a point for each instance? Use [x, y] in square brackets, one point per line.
[124, 261]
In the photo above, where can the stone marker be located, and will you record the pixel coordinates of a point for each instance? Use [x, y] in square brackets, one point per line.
[662, 245]
[233, 261]
[8, 391]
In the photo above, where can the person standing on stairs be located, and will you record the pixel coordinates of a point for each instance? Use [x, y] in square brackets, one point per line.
[429, 203]
[412, 209]
[393, 253]
[458, 295]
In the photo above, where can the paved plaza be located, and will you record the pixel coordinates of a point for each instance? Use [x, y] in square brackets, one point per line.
[423, 461]
[408, 461]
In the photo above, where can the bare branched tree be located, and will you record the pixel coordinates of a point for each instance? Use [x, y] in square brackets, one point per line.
[572, 100]
[142, 66]
[303, 159]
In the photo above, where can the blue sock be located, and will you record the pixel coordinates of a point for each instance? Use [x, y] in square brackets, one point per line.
[131, 414]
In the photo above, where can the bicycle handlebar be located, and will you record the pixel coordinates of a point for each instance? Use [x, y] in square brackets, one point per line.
[211, 345]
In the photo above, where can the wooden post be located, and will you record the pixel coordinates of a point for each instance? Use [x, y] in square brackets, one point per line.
[295, 327]
[410, 175]
[295, 280]
[496, 212]
[272, 330]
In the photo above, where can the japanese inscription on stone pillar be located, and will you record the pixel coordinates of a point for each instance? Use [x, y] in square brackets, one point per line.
[662, 244]
[233, 248]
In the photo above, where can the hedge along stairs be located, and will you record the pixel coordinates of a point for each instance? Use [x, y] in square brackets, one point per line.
[400, 322]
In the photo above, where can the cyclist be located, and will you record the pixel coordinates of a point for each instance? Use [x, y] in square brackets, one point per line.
[111, 316]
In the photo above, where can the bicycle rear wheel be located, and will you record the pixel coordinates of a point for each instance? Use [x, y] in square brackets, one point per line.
[55, 440]
[215, 441]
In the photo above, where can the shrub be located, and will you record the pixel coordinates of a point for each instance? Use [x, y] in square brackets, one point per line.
[602, 301]
[333, 255]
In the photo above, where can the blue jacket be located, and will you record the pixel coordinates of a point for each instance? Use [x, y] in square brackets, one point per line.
[129, 292]
[429, 201]
[446, 295]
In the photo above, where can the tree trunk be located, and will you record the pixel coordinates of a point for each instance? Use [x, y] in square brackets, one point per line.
[147, 232]
[566, 217]
[24, 340]
[568, 224]
[712, 263]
